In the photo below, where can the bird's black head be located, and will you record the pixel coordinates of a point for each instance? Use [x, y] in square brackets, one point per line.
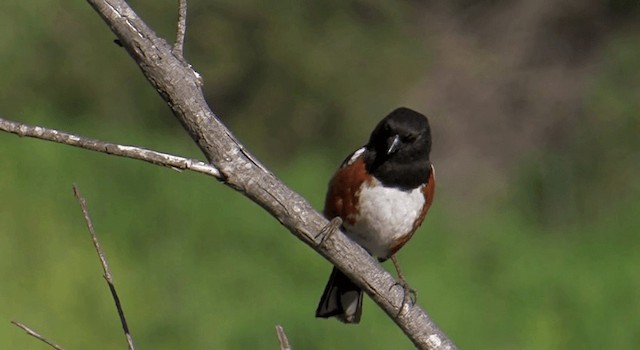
[398, 150]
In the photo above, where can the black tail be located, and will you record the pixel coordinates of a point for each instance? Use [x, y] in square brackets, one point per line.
[341, 299]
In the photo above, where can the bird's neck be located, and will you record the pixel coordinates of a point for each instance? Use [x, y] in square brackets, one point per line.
[406, 175]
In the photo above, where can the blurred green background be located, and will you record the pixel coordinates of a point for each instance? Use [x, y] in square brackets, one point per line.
[532, 242]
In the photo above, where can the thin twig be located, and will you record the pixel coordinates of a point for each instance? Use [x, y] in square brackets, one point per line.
[178, 47]
[36, 335]
[282, 338]
[105, 266]
[126, 151]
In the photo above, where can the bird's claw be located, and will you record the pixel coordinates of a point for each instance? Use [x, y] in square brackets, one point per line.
[328, 230]
[410, 296]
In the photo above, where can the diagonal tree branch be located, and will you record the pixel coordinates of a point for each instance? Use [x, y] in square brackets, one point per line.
[105, 266]
[282, 338]
[179, 86]
[37, 335]
[153, 157]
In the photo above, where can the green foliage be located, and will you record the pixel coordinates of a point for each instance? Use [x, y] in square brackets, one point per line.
[599, 164]
[310, 60]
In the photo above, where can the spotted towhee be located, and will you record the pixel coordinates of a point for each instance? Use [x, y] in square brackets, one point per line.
[382, 193]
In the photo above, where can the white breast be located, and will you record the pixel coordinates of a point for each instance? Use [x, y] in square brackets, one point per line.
[385, 215]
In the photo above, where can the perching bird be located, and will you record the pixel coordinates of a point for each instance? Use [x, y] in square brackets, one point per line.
[382, 193]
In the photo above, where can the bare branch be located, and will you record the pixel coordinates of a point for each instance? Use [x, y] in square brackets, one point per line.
[35, 334]
[282, 338]
[105, 266]
[178, 47]
[154, 157]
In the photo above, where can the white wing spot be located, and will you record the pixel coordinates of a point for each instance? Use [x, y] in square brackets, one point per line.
[355, 156]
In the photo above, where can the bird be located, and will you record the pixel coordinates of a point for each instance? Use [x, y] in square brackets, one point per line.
[381, 192]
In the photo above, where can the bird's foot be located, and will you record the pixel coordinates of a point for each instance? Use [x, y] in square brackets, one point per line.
[328, 230]
[410, 296]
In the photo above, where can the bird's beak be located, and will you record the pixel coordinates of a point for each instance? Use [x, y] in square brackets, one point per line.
[395, 144]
